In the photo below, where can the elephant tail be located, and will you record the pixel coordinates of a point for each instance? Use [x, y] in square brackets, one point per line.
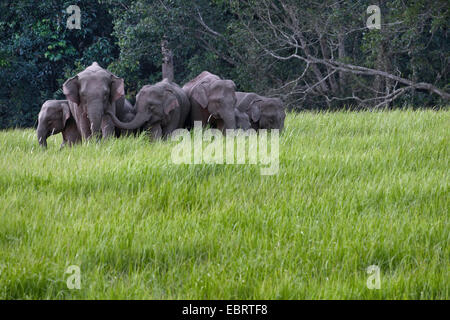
[137, 121]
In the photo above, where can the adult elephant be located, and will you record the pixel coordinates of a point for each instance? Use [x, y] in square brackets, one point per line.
[161, 108]
[241, 118]
[263, 112]
[212, 97]
[55, 117]
[91, 94]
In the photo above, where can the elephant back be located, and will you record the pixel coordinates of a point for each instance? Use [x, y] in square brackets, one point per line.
[204, 77]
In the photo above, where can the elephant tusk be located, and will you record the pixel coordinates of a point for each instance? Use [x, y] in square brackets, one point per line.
[209, 118]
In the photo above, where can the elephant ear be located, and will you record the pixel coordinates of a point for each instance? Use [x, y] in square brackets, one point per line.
[117, 88]
[70, 89]
[66, 113]
[171, 102]
[200, 96]
[255, 111]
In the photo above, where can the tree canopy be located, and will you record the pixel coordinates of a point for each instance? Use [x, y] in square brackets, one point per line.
[313, 54]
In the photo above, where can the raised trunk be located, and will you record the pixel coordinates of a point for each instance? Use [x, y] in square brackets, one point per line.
[137, 122]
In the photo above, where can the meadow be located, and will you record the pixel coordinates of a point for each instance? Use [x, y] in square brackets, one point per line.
[354, 189]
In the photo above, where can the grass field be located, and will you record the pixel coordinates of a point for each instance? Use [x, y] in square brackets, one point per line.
[353, 190]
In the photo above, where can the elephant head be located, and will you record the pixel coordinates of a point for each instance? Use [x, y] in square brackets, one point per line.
[154, 104]
[264, 113]
[242, 120]
[218, 98]
[52, 119]
[93, 91]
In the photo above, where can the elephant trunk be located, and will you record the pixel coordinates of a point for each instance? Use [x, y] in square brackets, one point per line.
[139, 119]
[229, 119]
[242, 120]
[95, 113]
[42, 135]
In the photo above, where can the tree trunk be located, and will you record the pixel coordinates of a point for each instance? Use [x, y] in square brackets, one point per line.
[167, 65]
[326, 55]
[314, 67]
[379, 82]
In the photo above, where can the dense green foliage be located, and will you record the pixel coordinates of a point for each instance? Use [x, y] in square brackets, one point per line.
[37, 52]
[353, 190]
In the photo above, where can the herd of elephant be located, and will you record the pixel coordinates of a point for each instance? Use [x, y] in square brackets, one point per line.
[96, 106]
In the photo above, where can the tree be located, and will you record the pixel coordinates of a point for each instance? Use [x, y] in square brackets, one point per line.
[343, 62]
[313, 53]
[38, 53]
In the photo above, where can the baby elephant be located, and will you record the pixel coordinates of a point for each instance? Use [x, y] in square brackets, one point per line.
[161, 108]
[55, 117]
[264, 113]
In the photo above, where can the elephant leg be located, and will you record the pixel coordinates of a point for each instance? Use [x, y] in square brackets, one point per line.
[156, 132]
[220, 124]
[85, 127]
[108, 128]
[172, 126]
[70, 134]
[81, 120]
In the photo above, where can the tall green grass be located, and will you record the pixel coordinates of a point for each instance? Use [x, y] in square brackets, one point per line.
[353, 190]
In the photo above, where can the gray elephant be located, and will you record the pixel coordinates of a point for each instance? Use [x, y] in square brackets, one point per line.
[55, 117]
[264, 113]
[91, 94]
[125, 112]
[241, 118]
[161, 108]
[213, 99]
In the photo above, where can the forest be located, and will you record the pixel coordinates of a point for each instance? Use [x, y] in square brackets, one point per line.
[314, 55]
[166, 186]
